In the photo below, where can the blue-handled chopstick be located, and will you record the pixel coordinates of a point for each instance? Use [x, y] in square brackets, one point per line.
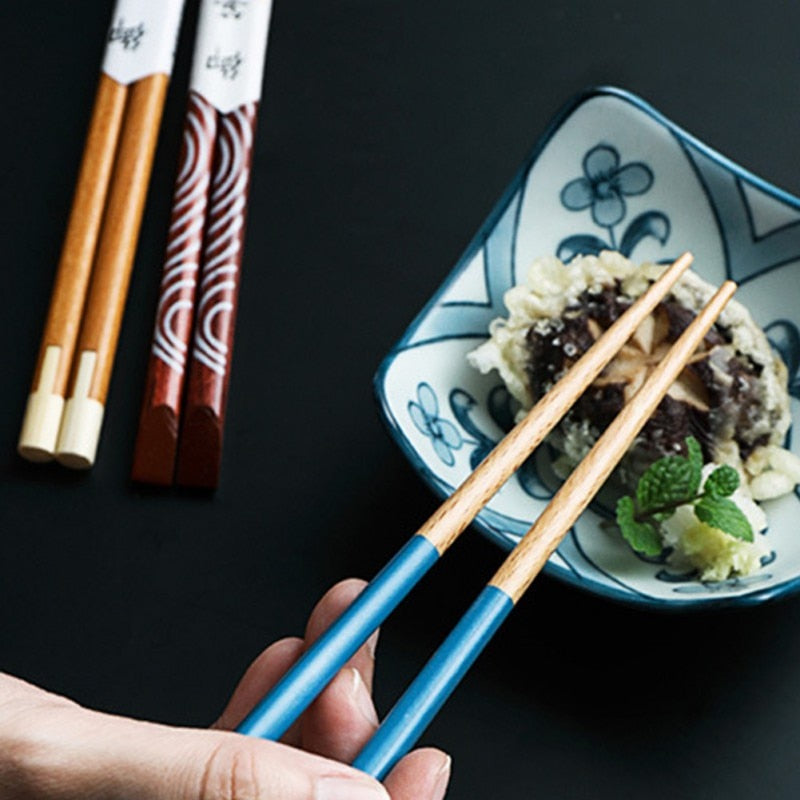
[316, 668]
[437, 680]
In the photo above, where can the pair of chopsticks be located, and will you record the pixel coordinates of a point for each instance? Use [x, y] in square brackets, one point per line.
[182, 418]
[64, 413]
[410, 716]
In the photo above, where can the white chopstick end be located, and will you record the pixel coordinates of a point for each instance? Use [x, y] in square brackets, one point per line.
[80, 432]
[37, 440]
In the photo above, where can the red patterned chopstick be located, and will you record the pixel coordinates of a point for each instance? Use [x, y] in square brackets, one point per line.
[157, 442]
[200, 449]
[193, 336]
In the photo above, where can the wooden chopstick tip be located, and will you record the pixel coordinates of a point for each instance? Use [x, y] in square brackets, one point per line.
[720, 299]
[200, 449]
[156, 446]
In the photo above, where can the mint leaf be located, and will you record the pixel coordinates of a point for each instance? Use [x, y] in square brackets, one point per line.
[666, 482]
[641, 536]
[723, 481]
[719, 512]
[675, 481]
[695, 456]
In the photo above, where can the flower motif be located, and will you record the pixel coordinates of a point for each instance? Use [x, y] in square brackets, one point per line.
[425, 415]
[603, 185]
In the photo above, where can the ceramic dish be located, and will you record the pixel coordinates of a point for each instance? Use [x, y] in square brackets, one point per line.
[446, 417]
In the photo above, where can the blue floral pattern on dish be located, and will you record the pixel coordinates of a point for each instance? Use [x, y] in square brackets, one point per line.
[603, 188]
[604, 184]
[424, 414]
[461, 404]
[785, 338]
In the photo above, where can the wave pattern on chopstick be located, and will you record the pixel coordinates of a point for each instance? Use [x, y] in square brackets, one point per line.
[224, 232]
[176, 303]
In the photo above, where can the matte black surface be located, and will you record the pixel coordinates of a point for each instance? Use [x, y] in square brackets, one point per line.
[388, 130]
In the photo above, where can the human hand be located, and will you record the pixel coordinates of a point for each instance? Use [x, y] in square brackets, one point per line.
[53, 749]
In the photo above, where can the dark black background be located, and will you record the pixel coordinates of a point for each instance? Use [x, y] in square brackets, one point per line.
[388, 129]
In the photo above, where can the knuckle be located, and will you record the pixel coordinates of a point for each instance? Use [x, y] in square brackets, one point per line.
[14, 773]
[232, 773]
[28, 762]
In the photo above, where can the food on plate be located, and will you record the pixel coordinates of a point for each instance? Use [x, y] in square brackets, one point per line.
[731, 400]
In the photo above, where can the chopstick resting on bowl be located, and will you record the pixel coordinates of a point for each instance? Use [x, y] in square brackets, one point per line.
[302, 683]
[139, 47]
[437, 680]
[205, 239]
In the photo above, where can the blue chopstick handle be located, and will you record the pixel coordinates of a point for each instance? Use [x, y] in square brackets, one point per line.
[414, 711]
[272, 717]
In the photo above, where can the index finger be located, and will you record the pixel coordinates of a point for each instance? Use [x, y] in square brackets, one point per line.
[333, 603]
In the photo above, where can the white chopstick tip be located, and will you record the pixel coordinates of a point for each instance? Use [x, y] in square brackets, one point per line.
[37, 440]
[80, 432]
[83, 418]
[39, 434]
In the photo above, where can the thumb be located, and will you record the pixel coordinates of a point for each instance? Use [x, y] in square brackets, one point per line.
[67, 753]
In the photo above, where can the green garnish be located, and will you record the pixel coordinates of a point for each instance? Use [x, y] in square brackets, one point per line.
[675, 481]
[719, 512]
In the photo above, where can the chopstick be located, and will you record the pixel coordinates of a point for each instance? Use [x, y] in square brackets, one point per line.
[102, 319]
[101, 235]
[200, 447]
[37, 441]
[157, 437]
[205, 240]
[437, 680]
[302, 683]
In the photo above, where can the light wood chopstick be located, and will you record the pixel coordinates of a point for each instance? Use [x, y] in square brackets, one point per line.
[42, 418]
[81, 331]
[457, 511]
[301, 684]
[97, 344]
[437, 680]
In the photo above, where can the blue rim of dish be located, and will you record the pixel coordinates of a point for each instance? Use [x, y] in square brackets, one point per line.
[628, 596]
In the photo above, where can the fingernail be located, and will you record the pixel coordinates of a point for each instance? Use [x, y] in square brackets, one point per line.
[362, 698]
[349, 789]
[442, 779]
[372, 643]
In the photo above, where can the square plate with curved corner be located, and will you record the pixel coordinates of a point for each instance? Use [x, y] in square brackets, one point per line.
[672, 193]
